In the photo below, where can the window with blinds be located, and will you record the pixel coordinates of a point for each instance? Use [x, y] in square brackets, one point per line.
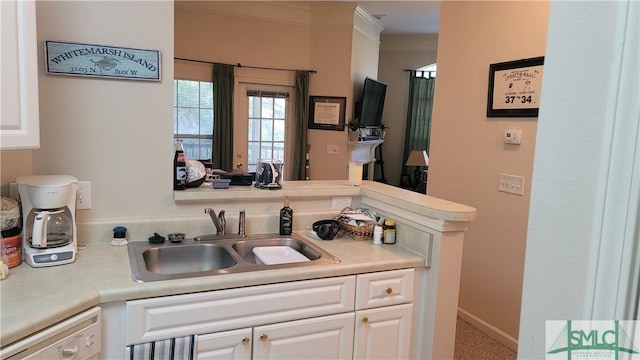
[193, 117]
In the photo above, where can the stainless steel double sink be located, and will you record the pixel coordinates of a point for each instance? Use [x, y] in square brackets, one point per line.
[215, 255]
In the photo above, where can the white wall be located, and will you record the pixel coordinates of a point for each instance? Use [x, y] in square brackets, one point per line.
[575, 95]
[468, 153]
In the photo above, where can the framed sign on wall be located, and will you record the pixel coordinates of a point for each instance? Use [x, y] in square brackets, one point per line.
[514, 88]
[101, 61]
[327, 112]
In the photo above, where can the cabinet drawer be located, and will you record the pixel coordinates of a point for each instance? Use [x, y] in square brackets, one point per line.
[200, 313]
[384, 288]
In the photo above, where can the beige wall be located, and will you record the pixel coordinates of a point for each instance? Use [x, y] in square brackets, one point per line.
[209, 31]
[396, 54]
[468, 153]
[118, 134]
[331, 43]
[115, 133]
[322, 38]
[14, 163]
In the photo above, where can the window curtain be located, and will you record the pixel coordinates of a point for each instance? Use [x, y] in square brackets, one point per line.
[223, 116]
[301, 111]
[418, 125]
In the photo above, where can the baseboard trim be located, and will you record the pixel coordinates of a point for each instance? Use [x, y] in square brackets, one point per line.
[489, 330]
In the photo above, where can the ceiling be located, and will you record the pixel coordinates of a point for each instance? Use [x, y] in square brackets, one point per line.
[405, 17]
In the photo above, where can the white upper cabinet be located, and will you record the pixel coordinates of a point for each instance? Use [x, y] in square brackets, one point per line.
[19, 120]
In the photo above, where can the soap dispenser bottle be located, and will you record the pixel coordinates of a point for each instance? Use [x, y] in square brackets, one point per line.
[286, 218]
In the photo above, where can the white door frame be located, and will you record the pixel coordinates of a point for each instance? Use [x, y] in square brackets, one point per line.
[614, 267]
[259, 79]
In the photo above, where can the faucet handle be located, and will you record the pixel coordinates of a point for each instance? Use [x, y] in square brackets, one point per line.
[241, 224]
[223, 223]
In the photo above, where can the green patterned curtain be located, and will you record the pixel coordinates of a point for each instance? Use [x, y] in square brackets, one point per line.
[418, 126]
[301, 113]
[223, 116]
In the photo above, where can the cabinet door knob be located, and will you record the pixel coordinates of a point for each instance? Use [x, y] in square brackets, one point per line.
[264, 337]
[388, 290]
[365, 319]
[245, 340]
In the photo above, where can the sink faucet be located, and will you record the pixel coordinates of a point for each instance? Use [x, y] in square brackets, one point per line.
[219, 221]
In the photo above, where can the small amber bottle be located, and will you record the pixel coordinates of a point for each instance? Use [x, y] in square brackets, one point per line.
[389, 232]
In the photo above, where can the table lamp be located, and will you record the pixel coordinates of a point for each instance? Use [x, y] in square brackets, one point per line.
[418, 158]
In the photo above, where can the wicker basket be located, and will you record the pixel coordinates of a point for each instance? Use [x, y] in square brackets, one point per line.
[363, 232]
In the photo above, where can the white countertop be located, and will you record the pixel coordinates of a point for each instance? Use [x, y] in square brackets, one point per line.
[32, 299]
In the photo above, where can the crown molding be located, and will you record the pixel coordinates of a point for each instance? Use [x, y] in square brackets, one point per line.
[367, 24]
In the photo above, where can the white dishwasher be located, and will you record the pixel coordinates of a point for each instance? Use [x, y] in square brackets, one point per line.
[77, 338]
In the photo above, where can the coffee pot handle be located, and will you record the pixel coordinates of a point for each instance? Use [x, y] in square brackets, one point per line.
[274, 173]
[39, 235]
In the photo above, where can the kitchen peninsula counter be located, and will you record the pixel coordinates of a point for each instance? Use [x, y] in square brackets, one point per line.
[430, 230]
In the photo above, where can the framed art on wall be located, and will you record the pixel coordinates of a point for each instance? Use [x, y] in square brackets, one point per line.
[327, 112]
[514, 88]
[101, 61]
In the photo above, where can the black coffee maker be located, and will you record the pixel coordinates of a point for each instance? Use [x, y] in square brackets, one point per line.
[269, 174]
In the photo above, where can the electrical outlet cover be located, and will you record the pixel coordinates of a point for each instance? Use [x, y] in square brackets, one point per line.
[84, 195]
[339, 203]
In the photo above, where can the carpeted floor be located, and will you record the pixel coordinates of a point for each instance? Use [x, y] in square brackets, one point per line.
[472, 344]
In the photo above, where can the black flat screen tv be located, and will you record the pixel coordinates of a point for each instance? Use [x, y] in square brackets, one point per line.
[372, 102]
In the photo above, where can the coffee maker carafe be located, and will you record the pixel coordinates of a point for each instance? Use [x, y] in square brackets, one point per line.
[49, 224]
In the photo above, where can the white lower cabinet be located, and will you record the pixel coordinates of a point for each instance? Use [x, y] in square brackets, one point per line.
[328, 337]
[383, 333]
[367, 316]
[234, 344]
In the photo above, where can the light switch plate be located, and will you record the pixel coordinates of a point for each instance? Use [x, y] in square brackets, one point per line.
[511, 183]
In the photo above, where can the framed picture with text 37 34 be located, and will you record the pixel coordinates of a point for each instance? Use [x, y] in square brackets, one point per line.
[327, 112]
[514, 88]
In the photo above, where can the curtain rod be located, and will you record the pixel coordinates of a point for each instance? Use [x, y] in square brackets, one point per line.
[240, 65]
[429, 73]
[423, 71]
